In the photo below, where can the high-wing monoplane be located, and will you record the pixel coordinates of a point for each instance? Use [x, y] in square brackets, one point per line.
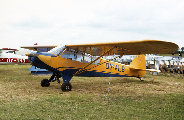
[87, 60]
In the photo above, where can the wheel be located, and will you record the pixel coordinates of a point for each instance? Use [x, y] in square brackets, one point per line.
[140, 79]
[45, 83]
[66, 86]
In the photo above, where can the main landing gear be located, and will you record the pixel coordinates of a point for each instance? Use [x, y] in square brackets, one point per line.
[66, 86]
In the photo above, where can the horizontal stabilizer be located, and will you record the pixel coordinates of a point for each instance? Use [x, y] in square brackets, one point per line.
[151, 70]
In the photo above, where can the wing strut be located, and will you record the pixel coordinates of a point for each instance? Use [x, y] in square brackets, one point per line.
[83, 69]
[63, 52]
[98, 65]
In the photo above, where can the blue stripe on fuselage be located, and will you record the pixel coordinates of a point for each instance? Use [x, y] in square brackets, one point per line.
[93, 73]
[100, 74]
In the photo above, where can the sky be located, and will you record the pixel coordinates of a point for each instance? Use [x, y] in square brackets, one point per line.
[53, 22]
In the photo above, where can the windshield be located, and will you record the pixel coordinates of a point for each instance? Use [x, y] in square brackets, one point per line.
[58, 50]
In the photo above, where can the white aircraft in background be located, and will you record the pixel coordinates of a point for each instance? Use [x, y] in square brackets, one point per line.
[9, 56]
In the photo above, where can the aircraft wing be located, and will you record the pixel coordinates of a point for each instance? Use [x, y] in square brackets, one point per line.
[8, 49]
[127, 47]
[37, 47]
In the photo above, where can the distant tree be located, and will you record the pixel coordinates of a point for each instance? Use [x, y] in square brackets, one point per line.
[182, 50]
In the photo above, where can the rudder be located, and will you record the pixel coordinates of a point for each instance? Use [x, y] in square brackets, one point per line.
[139, 64]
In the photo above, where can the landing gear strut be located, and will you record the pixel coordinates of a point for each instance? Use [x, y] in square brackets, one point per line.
[66, 86]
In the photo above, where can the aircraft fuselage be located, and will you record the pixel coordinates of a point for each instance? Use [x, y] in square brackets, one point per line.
[64, 66]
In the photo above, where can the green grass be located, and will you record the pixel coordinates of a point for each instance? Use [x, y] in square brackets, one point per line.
[22, 97]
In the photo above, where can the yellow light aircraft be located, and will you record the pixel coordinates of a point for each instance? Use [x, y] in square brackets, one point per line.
[87, 60]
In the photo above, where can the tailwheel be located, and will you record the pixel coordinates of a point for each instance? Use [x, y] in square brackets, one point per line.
[45, 83]
[140, 79]
[66, 86]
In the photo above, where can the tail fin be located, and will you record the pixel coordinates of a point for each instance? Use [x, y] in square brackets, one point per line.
[138, 62]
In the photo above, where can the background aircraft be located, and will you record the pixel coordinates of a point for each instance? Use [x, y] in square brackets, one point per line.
[14, 56]
[9, 56]
[87, 60]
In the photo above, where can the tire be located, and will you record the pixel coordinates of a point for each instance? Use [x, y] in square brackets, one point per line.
[66, 86]
[45, 83]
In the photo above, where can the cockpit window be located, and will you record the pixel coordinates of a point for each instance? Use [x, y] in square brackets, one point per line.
[58, 50]
[73, 54]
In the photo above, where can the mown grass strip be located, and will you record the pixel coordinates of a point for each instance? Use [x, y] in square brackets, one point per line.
[158, 97]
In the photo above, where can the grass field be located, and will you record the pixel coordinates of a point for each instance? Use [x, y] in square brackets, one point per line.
[22, 97]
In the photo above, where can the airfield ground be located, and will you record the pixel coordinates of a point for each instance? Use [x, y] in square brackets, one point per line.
[22, 97]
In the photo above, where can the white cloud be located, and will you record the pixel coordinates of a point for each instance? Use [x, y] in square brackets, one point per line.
[25, 22]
